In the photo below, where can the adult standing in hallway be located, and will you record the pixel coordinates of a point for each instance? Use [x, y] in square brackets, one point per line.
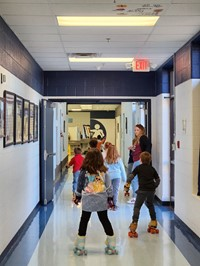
[139, 144]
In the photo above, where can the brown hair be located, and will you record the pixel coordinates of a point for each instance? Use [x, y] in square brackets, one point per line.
[77, 150]
[93, 143]
[145, 157]
[112, 154]
[143, 132]
[93, 162]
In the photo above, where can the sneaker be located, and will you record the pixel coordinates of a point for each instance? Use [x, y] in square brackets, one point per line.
[131, 201]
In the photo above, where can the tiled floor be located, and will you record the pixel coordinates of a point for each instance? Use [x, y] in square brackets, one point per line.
[53, 246]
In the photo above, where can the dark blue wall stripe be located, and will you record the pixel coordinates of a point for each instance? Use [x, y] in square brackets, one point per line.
[99, 83]
[195, 61]
[102, 114]
[16, 59]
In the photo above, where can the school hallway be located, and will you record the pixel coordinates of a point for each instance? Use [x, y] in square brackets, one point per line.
[49, 238]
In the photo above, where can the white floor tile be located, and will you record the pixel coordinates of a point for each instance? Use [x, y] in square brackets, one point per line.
[55, 247]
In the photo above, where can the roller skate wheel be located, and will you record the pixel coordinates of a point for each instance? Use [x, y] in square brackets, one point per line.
[79, 252]
[131, 234]
[109, 252]
[153, 230]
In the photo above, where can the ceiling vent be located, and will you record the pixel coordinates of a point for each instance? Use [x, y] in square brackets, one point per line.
[84, 55]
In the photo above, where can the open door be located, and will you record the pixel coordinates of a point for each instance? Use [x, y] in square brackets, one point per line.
[46, 152]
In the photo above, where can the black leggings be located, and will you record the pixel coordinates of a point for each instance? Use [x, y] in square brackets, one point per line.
[103, 217]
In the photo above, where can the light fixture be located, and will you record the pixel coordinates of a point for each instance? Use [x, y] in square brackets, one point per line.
[86, 106]
[103, 21]
[100, 60]
[75, 110]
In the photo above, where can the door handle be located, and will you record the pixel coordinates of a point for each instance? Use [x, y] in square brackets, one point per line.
[48, 154]
[51, 154]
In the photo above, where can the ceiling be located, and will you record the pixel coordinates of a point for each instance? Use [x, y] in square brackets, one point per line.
[35, 24]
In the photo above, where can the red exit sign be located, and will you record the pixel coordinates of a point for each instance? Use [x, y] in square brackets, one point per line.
[140, 65]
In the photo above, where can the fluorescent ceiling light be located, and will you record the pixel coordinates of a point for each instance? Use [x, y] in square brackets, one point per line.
[100, 60]
[76, 109]
[86, 107]
[116, 21]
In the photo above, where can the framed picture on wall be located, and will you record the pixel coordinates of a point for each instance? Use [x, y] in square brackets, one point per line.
[1, 117]
[26, 116]
[9, 109]
[86, 129]
[31, 121]
[18, 119]
[35, 131]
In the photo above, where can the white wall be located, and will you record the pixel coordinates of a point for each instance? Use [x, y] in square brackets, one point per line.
[61, 137]
[187, 204]
[161, 144]
[79, 119]
[19, 171]
[126, 136]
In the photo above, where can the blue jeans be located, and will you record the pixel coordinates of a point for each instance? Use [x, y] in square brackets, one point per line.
[115, 187]
[134, 183]
[148, 198]
[75, 179]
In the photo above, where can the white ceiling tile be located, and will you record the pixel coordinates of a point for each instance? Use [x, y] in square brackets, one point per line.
[104, 30]
[42, 44]
[164, 38]
[185, 1]
[25, 9]
[47, 54]
[179, 21]
[191, 30]
[164, 44]
[39, 38]
[45, 49]
[183, 10]
[35, 24]
[23, 29]
[31, 20]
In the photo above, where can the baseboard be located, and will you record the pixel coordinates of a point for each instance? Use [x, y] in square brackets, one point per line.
[164, 203]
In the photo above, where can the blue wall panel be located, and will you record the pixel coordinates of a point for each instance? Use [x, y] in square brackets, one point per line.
[16, 59]
[99, 83]
[196, 61]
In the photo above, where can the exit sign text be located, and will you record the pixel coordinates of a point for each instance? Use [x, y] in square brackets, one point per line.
[140, 65]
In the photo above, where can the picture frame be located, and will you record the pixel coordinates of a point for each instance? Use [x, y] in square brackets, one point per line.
[35, 131]
[86, 129]
[1, 117]
[31, 121]
[26, 117]
[9, 118]
[18, 119]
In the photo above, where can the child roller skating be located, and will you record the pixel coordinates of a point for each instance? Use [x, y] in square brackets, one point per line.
[94, 191]
[111, 245]
[148, 181]
[79, 248]
[152, 227]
